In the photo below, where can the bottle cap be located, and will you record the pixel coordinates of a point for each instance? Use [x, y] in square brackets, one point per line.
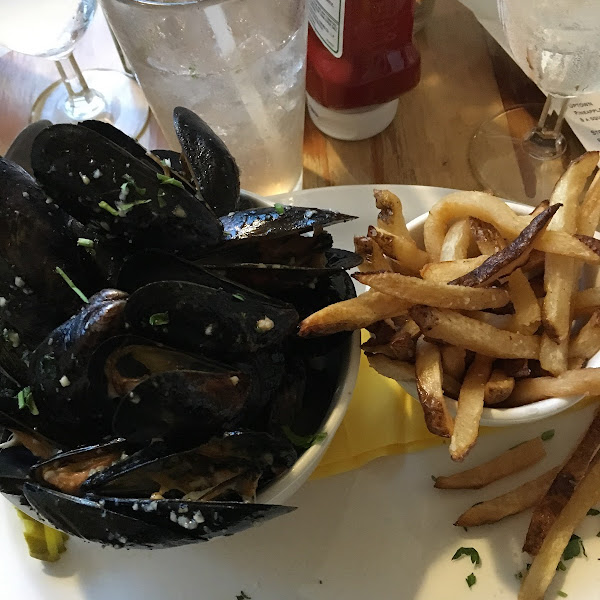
[352, 124]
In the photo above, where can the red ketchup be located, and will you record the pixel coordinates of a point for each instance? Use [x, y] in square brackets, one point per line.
[361, 57]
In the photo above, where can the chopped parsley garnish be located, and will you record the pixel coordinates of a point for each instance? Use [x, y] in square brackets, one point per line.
[194, 75]
[159, 319]
[85, 242]
[108, 208]
[70, 283]
[471, 580]
[125, 207]
[561, 566]
[165, 180]
[593, 512]
[238, 296]
[161, 200]
[303, 441]
[25, 400]
[433, 478]
[130, 181]
[574, 548]
[561, 594]
[471, 552]
[279, 208]
[547, 435]
[242, 596]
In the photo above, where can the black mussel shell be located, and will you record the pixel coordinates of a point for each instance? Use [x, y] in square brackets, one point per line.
[15, 463]
[214, 170]
[207, 320]
[19, 151]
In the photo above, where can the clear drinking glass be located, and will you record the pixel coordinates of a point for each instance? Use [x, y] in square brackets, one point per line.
[557, 44]
[50, 29]
[238, 64]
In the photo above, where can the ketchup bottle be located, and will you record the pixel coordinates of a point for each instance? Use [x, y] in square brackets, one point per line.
[361, 57]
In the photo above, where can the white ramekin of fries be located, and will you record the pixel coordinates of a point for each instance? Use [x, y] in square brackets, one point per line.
[481, 308]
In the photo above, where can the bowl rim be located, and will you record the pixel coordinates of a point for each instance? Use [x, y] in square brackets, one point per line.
[500, 417]
[283, 487]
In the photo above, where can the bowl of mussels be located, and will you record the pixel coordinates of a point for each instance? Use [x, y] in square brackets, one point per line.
[153, 389]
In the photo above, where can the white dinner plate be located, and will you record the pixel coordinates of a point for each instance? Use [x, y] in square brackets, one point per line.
[378, 533]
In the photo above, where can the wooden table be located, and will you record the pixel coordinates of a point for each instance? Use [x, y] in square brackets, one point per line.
[466, 78]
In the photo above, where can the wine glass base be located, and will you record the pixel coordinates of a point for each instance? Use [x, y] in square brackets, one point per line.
[126, 106]
[502, 164]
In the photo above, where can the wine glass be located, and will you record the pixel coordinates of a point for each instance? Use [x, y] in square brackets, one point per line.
[50, 29]
[557, 44]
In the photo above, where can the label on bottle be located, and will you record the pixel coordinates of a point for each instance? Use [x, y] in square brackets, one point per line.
[327, 20]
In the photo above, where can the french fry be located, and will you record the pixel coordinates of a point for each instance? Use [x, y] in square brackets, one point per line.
[486, 236]
[540, 208]
[498, 387]
[562, 487]
[543, 567]
[493, 319]
[528, 316]
[441, 295]
[443, 272]
[460, 205]
[373, 257]
[515, 367]
[356, 313]
[394, 369]
[589, 210]
[453, 361]
[517, 500]
[591, 242]
[510, 258]
[585, 301]
[512, 461]
[569, 383]
[428, 371]
[391, 215]
[470, 407]
[587, 342]
[453, 328]
[457, 241]
[402, 249]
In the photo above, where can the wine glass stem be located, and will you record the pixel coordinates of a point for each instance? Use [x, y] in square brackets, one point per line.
[545, 141]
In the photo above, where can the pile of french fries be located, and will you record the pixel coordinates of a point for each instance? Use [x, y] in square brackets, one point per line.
[492, 309]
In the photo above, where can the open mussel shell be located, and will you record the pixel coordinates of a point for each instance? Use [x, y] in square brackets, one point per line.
[213, 169]
[207, 320]
[15, 464]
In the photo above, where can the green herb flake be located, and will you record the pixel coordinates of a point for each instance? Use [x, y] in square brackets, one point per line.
[303, 441]
[561, 566]
[471, 580]
[561, 594]
[471, 552]
[70, 283]
[547, 435]
[25, 400]
[194, 75]
[108, 208]
[85, 242]
[165, 180]
[239, 297]
[158, 319]
[279, 208]
[125, 207]
[161, 199]
[242, 596]
[130, 181]
[433, 478]
[574, 548]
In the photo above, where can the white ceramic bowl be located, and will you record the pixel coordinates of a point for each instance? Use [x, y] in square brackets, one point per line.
[281, 489]
[500, 417]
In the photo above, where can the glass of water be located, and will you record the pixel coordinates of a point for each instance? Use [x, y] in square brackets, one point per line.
[557, 44]
[238, 64]
[51, 29]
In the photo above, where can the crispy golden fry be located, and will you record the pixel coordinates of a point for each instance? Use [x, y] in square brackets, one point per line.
[391, 368]
[373, 257]
[510, 258]
[585, 301]
[591, 242]
[443, 272]
[451, 386]
[470, 407]
[589, 209]
[517, 500]
[540, 208]
[498, 321]
[428, 370]
[352, 314]
[454, 328]
[401, 249]
[575, 363]
[558, 494]
[457, 241]
[498, 388]
[486, 236]
[543, 567]
[512, 461]
[418, 291]
[568, 383]
[528, 316]
[453, 361]
[460, 205]
[391, 215]
[392, 339]
[587, 342]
